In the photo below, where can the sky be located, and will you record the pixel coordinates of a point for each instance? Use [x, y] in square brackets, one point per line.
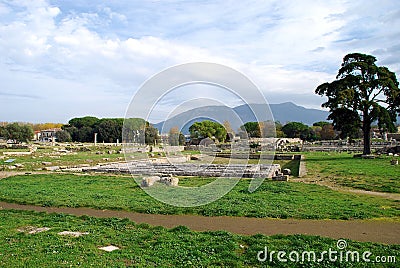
[61, 59]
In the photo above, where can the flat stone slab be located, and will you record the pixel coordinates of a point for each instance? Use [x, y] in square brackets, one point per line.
[74, 234]
[109, 248]
[32, 229]
[52, 168]
[17, 153]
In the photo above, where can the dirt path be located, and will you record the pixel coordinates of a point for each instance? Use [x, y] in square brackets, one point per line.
[336, 187]
[366, 231]
[392, 196]
[5, 174]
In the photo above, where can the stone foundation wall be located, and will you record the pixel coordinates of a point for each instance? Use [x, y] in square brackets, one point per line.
[202, 170]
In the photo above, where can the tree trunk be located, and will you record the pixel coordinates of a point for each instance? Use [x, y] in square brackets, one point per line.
[366, 133]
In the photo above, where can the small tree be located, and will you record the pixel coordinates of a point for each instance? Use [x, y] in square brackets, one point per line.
[72, 131]
[175, 137]
[133, 130]
[18, 133]
[151, 134]
[327, 132]
[296, 130]
[26, 133]
[267, 129]
[3, 132]
[278, 130]
[182, 139]
[208, 129]
[228, 127]
[321, 124]
[63, 136]
[253, 129]
[362, 93]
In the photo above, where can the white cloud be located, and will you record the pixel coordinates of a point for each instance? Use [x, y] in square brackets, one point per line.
[94, 51]
[114, 15]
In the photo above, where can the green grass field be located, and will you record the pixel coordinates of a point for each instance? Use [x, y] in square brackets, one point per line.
[368, 174]
[272, 199]
[144, 246]
[79, 155]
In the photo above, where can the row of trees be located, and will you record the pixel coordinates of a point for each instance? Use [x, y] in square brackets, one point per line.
[319, 131]
[138, 130]
[17, 132]
[223, 132]
[43, 126]
[83, 129]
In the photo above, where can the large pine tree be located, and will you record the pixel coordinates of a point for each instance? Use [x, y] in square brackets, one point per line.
[364, 90]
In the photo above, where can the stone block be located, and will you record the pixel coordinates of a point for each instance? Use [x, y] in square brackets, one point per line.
[149, 181]
[170, 181]
[280, 178]
[52, 168]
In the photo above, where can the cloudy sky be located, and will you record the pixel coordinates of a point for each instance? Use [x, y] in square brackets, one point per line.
[66, 58]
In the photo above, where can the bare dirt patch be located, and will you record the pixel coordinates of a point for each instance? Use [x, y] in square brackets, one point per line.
[6, 174]
[336, 187]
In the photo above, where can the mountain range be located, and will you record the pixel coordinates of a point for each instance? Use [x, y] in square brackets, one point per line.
[237, 116]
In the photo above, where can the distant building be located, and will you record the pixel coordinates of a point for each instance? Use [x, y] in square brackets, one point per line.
[48, 135]
[36, 135]
[375, 133]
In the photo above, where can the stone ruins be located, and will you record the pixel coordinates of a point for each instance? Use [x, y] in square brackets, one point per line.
[162, 170]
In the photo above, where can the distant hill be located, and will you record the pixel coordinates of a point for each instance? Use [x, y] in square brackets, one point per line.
[288, 112]
[282, 112]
